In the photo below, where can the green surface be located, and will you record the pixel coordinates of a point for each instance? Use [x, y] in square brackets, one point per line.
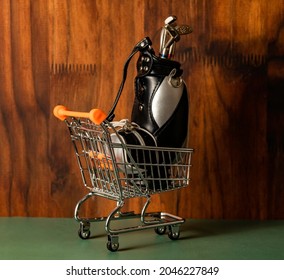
[50, 238]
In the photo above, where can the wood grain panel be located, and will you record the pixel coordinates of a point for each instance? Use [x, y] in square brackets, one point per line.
[86, 61]
[6, 115]
[24, 109]
[72, 53]
[225, 62]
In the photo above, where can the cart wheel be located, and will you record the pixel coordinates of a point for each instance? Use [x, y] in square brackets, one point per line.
[160, 230]
[84, 234]
[113, 247]
[112, 243]
[84, 230]
[173, 235]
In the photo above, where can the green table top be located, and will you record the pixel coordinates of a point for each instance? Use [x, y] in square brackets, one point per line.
[57, 239]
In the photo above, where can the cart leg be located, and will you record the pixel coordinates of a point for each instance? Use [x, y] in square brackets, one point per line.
[155, 217]
[78, 206]
[112, 243]
[111, 217]
[84, 230]
[85, 223]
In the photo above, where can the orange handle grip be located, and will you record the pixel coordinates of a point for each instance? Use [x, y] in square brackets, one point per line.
[97, 116]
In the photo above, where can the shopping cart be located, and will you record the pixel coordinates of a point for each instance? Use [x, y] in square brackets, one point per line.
[119, 171]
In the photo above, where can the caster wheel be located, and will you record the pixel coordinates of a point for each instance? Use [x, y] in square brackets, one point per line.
[173, 235]
[160, 230]
[113, 247]
[84, 230]
[84, 234]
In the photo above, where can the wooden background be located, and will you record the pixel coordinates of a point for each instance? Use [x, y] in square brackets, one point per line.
[72, 53]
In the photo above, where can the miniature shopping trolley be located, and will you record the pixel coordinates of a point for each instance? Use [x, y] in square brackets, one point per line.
[118, 171]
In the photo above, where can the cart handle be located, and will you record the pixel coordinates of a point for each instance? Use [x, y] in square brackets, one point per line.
[97, 116]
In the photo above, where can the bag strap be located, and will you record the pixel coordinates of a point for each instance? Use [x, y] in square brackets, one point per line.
[142, 45]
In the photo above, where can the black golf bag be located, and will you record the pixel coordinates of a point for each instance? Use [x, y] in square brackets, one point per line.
[160, 110]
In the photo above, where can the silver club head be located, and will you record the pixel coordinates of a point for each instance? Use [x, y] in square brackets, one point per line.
[170, 34]
[170, 19]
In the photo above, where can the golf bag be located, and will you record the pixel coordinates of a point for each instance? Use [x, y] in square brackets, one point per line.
[160, 110]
